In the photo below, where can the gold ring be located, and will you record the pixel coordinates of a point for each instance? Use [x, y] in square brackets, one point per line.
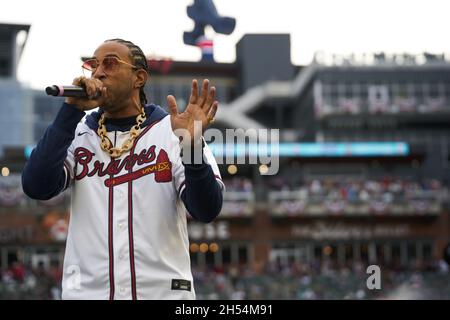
[211, 120]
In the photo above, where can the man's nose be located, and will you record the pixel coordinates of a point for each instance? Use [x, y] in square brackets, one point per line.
[99, 72]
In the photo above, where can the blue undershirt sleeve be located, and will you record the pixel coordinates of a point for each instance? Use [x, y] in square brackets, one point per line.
[43, 176]
[202, 196]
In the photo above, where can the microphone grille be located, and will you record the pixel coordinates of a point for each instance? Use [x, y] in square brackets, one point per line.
[52, 91]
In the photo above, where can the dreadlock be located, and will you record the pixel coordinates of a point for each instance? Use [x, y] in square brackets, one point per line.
[139, 60]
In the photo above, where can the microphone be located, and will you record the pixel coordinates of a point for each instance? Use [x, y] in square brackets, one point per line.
[66, 91]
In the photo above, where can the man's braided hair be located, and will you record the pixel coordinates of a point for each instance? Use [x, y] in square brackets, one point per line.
[139, 60]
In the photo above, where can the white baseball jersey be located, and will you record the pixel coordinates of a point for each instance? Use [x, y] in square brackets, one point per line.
[127, 235]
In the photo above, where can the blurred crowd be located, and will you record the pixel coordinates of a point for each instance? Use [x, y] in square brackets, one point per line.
[238, 184]
[21, 282]
[12, 195]
[321, 281]
[295, 281]
[360, 190]
[398, 105]
[351, 190]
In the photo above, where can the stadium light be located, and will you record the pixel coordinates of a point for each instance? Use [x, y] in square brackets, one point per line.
[328, 250]
[213, 247]
[194, 247]
[5, 171]
[204, 248]
[263, 169]
[232, 169]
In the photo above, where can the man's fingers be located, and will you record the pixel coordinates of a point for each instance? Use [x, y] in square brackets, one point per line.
[213, 110]
[90, 89]
[209, 100]
[194, 92]
[93, 87]
[97, 94]
[79, 81]
[98, 98]
[93, 90]
[204, 93]
[96, 88]
[103, 94]
[172, 103]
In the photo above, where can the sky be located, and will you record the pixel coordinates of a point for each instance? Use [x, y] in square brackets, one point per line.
[63, 31]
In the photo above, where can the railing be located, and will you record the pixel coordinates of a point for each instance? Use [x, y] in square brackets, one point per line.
[397, 107]
[380, 59]
[297, 203]
[362, 201]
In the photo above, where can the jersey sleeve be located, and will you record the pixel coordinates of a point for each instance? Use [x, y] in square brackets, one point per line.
[177, 166]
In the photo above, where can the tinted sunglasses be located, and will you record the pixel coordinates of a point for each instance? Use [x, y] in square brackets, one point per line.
[109, 64]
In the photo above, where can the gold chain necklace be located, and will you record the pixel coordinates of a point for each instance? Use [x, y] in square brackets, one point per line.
[106, 144]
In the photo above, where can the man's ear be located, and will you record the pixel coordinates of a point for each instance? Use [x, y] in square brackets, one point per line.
[141, 78]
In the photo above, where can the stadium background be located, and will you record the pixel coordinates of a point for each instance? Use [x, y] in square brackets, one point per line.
[363, 176]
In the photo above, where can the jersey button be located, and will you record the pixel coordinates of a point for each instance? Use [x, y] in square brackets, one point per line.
[122, 289]
[120, 225]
